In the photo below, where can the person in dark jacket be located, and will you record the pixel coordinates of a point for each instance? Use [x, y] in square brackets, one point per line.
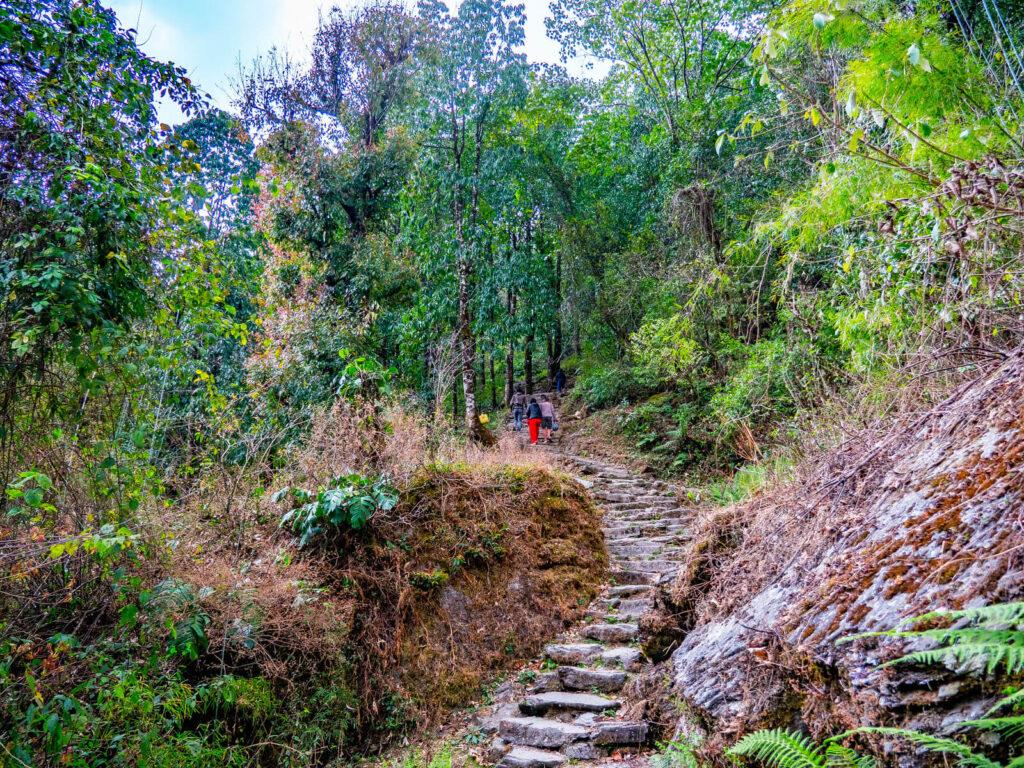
[533, 420]
[560, 381]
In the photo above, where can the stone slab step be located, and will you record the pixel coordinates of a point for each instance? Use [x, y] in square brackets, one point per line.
[629, 575]
[622, 590]
[541, 732]
[632, 613]
[531, 757]
[573, 653]
[641, 504]
[540, 703]
[620, 733]
[659, 527]
[584, 679]
[650, 566]
[623, 656]
[634, 547]
[644, 515]
[612, 633]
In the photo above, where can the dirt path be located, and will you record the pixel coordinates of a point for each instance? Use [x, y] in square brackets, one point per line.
[570, 711]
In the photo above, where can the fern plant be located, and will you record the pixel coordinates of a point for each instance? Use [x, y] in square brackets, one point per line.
[780, 748]
[988, 640]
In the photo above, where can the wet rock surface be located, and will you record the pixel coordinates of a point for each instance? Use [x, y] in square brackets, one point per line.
[927, 515]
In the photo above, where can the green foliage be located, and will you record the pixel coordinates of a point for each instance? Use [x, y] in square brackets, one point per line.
[347, 502]
[984, 640]
[679, 753]
[664, 350]
[785, 749]
[993, 636]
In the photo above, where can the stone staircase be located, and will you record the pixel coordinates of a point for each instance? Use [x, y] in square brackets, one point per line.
[570, 711]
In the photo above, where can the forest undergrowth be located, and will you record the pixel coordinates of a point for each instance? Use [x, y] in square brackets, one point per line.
[254, 366]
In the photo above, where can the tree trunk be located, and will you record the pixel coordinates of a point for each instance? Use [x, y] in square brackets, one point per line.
[558, 314]
[467, 355]
[455, 402]
[510, 354]
[510, 371]
[549, 344]
[494, 383]
[528, 364]
[482, 384]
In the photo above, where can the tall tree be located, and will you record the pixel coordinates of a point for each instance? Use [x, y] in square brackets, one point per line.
[476, 75]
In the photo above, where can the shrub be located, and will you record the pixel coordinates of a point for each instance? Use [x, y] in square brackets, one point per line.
[664, 351]
[347, 502]
[602, 384]
[767, 384]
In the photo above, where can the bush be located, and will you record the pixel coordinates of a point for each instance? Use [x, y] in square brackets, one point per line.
[603, 384]
[348, 502]
[664, 351]
[767, 385]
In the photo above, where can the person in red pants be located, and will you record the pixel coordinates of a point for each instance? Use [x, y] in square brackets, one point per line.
[533, 420]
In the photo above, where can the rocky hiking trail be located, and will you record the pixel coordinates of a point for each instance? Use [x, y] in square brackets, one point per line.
[574, 710]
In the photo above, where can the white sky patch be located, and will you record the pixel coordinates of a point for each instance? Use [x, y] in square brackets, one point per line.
[210, 38]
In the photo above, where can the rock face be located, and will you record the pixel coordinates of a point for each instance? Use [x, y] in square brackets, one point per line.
[928, 515]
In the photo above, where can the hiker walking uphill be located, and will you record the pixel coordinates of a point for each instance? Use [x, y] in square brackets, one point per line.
[547, 418]
[518, 405]
[533, 419]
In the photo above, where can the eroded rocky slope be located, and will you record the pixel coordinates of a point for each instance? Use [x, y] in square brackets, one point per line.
[889, 526]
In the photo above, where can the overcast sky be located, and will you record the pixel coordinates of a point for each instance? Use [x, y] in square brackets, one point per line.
[208, 37]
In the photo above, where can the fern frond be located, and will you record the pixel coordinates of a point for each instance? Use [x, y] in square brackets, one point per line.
[965, 757]
[969, 635]
[1012, 699]
[839, 756]
[994, 654]
[998, 614]
[1017, 762]
[1010, 727]
[779, 748]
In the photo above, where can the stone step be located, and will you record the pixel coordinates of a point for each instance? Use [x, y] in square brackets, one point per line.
[646, 514]
[640, 504]
[573, 653]
[541, 732]
[633, 547]
[604, 614]
[632, 537]
[641, 604]
[659, 527]
[531, 757]
[612, 633]
[649, 566]
[620, 733]
[584, 679]
[629, 610]
[622, 590]
[540, 703]
[629, 575]
[622, 656]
